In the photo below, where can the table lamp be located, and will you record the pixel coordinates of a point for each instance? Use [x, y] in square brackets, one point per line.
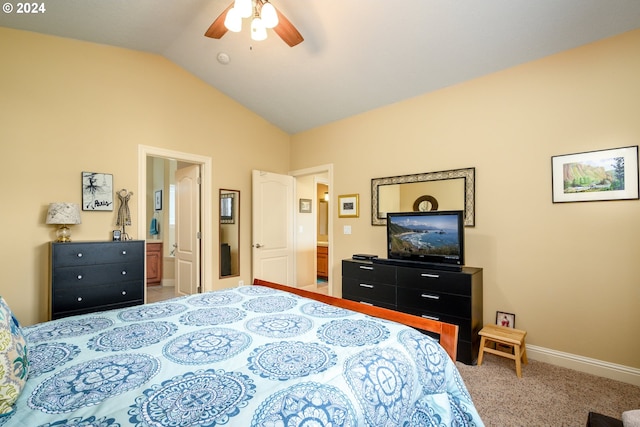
[64, 214]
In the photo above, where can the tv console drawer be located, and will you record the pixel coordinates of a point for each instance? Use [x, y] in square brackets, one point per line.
[438, 281]
[464, 325]
[369, 291]
[438, 302]
[369, 272]
[369, 301]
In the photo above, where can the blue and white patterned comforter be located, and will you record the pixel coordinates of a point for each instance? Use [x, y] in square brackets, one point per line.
[248, 356]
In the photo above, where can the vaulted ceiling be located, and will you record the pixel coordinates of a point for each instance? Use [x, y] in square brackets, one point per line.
[357, 55]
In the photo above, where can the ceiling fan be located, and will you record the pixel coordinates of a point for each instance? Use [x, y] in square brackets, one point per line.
[284, 28]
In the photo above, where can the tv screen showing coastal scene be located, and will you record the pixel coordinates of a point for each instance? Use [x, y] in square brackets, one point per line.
[415, 235]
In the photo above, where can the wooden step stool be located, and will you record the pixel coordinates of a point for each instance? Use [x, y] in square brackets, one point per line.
[505, 336]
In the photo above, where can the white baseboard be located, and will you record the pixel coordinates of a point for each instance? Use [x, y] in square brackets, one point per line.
[613, 371]
[169, 282]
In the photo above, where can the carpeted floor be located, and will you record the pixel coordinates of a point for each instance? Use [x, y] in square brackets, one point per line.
[546, 395]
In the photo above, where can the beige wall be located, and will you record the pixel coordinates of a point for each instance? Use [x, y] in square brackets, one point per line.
[568, 271]
[68, 106]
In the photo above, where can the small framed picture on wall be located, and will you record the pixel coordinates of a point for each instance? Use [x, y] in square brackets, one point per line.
[97, 191]
[158, 200]
[348, 206]
[305, 206]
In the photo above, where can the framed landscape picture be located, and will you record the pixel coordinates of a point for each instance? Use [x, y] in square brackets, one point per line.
[595, 175]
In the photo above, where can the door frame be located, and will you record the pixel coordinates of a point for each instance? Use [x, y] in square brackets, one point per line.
[315, 170]
[206, 173]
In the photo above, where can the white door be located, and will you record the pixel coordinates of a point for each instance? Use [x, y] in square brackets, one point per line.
[273, 227]
[187, 230]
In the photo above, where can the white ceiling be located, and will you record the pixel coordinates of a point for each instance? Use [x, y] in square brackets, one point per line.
[357, 55]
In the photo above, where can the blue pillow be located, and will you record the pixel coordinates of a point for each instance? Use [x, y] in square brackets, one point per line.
[14, 364]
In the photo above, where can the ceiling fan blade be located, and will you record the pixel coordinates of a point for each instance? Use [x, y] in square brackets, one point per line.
[217, 28]
[285, 29]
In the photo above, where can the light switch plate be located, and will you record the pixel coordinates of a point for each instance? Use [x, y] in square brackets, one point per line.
[347, 229]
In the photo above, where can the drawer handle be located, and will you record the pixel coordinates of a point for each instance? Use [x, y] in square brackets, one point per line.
[79, 276]
[79, 255]
[364, 285]
[430, 317]
[124, 252]
[430, 296]
[79, 299]
[124, 272]
[365, 267]
[432, 276]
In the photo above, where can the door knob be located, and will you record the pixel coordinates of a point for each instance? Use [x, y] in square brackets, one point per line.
[257, 246]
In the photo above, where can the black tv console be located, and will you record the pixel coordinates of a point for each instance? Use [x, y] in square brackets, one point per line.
[448, 296]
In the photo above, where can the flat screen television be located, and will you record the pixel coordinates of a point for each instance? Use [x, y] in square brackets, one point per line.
[435, 237]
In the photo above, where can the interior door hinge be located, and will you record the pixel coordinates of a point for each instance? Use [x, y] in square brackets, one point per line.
[199, 180]
[199, 235]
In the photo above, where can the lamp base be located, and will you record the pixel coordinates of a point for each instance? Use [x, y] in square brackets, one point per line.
[64, 234]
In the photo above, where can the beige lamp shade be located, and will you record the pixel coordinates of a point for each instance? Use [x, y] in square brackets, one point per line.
[64, 214]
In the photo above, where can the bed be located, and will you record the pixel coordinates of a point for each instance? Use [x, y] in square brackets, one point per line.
[261, 355]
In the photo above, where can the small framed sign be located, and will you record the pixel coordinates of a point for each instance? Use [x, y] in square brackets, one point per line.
[505, 319]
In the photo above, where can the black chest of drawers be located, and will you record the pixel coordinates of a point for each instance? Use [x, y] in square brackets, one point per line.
[95, 276]
[447, 296]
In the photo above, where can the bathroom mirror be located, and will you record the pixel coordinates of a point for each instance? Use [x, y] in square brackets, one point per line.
[229, 233]
[445, 190]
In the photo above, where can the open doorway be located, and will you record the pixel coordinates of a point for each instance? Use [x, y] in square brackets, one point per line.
[314, 229]
[204, 265]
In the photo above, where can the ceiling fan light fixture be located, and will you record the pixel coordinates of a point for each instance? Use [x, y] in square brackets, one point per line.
[233, 20]
[264, 15]
[244, 7]
[258, 30]
[269, 15]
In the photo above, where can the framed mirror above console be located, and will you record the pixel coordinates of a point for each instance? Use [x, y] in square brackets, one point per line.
[229, 233]
[444, 190]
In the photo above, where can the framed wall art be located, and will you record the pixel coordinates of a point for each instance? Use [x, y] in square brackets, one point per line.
[348, 206]
[595, 175]
[97, 191]
[305, 206]
[158, 200]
